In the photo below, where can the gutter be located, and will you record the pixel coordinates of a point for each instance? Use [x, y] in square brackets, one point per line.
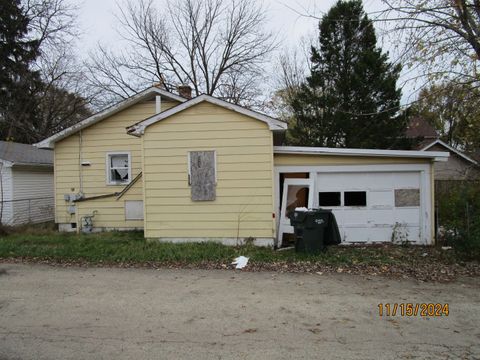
[298, 150]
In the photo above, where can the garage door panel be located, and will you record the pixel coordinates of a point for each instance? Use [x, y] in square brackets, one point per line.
[380, 180]
[339, 216]
[409, 216]
[381, 199]
[413, 233]
[406, 180]
[401, 233]
[378, 220]
[379, 234]
[381, 217]
[367, 234]
[341, 181]
[354, 217]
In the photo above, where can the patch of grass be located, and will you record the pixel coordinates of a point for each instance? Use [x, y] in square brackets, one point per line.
[130, 247]
[42, 228]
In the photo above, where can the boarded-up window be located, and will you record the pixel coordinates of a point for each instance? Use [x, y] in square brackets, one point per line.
[202, 175]
[407, 197]
[133, 210]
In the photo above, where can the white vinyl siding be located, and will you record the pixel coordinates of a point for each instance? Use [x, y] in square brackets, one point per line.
[243, 202]
[33, 195]
[109, 135]
[7, 209]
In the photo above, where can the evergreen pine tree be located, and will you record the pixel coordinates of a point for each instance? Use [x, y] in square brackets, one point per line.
[17, 52]
[350, 98]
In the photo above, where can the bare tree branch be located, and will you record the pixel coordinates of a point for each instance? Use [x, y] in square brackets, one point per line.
[441, 35]
[213, 45]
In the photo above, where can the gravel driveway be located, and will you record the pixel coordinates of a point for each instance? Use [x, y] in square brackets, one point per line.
[100, 313]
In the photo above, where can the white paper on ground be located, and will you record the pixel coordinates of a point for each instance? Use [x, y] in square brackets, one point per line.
[301, 209]
[240, 261]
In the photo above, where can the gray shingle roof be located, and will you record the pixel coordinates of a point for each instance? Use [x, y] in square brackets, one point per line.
[25, 154]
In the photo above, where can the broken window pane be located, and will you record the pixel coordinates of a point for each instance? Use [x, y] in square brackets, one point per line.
[119, 161]
[118, 168]
[119, 175]
[297, 196]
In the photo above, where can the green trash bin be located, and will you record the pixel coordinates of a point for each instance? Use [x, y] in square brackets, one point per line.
[298, 221]
[314, 229]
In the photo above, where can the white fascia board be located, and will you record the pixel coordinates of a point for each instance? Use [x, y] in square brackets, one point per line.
[139, 128]
[435, 155]
[5, 163]
[48, 142]
[445, 145]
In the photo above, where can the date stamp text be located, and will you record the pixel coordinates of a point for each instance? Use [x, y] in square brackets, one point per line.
[413, 309]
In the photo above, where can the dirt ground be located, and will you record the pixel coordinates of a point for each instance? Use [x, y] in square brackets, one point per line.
[100, 313]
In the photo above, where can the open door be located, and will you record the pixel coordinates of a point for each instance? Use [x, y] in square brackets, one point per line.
[296, 193]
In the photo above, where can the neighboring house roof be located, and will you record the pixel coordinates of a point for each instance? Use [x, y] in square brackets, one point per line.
[418, 127]
[143, 95]
[449, 148]
[25, 154]
[139, 128]
[435, 155]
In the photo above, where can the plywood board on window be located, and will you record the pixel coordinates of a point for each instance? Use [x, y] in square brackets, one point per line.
[407, 197]
[202, 175]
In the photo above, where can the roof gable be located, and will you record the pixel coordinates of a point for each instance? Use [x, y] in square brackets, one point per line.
[138, 129]
[112, 110]
[449, 148]
[25, 154]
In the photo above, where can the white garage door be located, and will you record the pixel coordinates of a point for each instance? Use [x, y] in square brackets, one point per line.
[373, 206]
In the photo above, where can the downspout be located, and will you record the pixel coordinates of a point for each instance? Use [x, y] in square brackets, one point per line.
[80, 178]
[80, 159]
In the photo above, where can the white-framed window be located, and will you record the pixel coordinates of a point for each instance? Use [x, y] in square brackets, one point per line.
[119, 168]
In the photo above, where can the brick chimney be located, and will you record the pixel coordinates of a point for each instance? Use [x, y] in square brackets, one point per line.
[185, 91]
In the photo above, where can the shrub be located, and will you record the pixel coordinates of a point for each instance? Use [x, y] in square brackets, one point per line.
[459, 217]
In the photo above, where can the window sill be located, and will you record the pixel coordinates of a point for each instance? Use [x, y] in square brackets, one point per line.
[118, 184]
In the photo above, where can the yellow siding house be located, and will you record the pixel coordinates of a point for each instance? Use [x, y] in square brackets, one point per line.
[203, 169]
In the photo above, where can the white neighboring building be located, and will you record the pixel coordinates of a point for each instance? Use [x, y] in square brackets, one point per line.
[26, 184]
